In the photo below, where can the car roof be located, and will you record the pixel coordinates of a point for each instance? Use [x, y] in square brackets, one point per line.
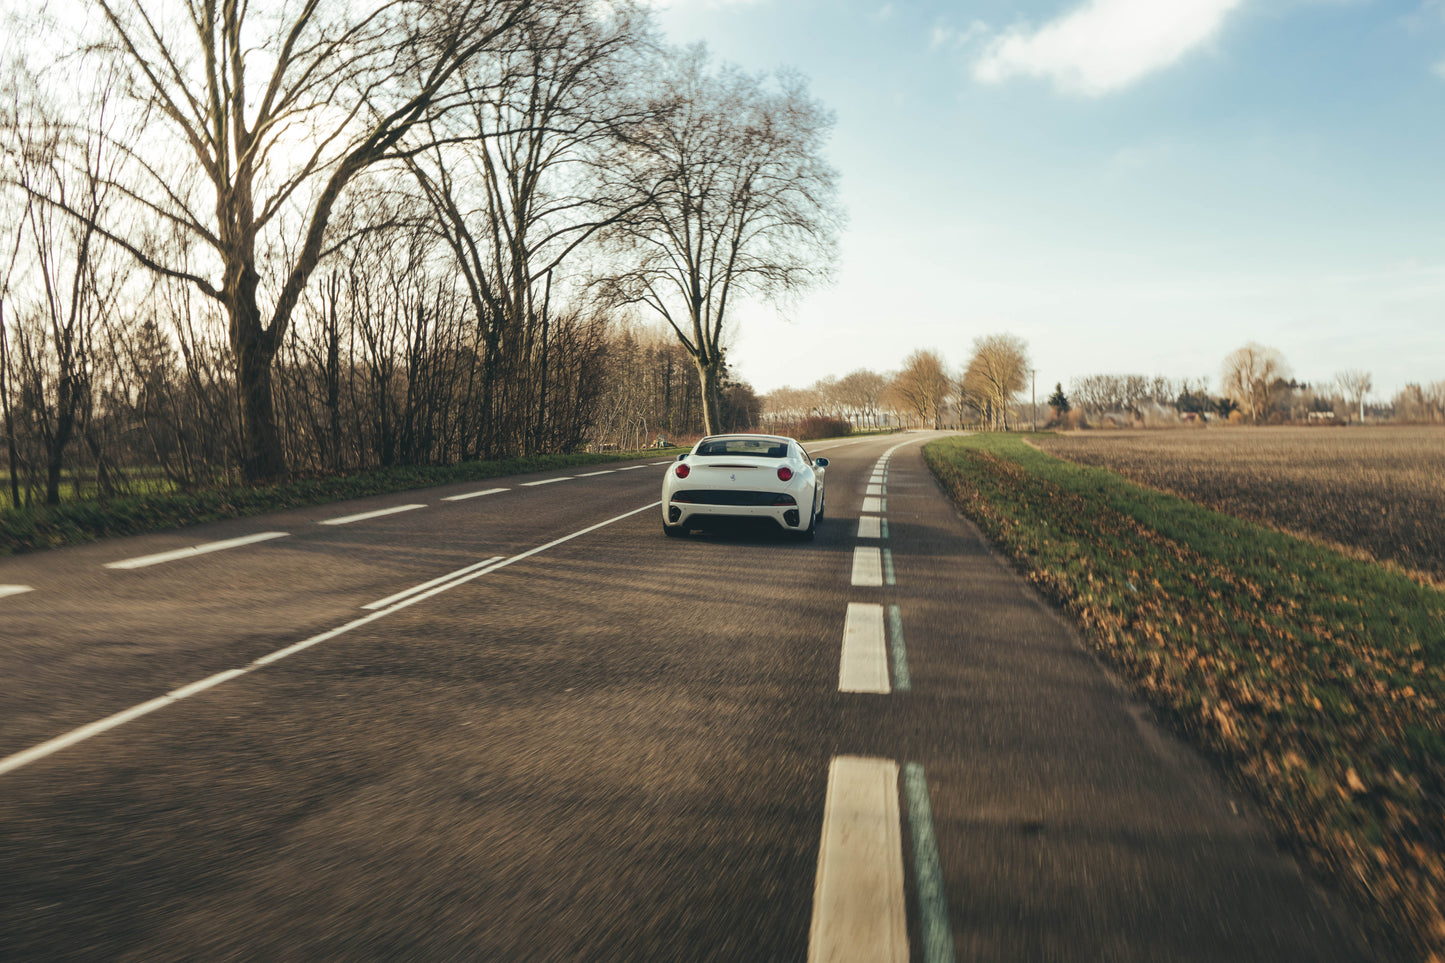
[749, 434]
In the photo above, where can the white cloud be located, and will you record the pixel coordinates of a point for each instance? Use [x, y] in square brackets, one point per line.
[1104, 45]
[945, 37]
[1438, 69]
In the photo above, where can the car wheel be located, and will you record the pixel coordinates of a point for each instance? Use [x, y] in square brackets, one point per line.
[822, 508]
[673, 531]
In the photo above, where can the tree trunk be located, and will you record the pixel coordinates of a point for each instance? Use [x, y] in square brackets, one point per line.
[707, 374]
[262, 460]
[59, 440]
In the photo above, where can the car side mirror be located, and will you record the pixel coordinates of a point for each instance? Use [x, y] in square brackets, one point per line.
[682, 456]
[821, 462]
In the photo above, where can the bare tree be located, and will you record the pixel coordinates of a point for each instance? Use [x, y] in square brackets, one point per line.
[69, 293]
[860, 392]
[922, 386]
[516, 194]
[997, 372]
[1250, 375]
[1354, 384]
[339, 91]
[739, 202]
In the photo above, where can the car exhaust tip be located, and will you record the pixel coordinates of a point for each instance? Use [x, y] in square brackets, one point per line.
[674, 514]
[791, 518]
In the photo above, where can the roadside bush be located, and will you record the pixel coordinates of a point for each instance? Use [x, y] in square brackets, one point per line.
[816, 426]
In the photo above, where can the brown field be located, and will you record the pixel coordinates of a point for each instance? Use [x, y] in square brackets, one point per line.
[1379, 492]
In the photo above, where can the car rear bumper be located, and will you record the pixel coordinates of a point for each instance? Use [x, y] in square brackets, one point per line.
[692, 515]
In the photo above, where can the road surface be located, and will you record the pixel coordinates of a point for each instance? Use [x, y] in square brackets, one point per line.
[510, 720]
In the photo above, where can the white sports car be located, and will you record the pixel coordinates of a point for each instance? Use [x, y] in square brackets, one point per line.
[744, 476]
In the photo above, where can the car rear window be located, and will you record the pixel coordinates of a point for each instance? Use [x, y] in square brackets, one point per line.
[756, 447]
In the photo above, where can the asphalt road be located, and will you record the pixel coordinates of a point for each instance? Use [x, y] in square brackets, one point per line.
[617, 747]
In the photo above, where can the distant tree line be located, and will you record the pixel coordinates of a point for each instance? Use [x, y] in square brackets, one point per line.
[1256, 386]
[924, 393]
[244, 241]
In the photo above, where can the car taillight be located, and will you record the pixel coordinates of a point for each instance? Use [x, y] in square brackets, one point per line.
[785, 473]
[683, 471]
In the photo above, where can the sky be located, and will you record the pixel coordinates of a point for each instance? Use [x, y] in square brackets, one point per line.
[1131, 186]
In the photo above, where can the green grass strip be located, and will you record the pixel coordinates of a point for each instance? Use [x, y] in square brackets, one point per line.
[51, 526]
[1315, 679]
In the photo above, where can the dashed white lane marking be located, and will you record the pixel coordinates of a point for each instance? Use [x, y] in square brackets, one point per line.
[594, 474]
[144, 560]
[635, 467]
[14, 590]
[383, 603]
[858, 908]
[466, 495]
[874, 490]
[863, 666]
[363, 516]
[546, 481]
[872, 505]
[867, 566]
[870, 526]
[668, 462]
[34, 753]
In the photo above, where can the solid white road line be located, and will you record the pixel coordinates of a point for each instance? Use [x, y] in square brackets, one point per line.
[466, 495]
[594, 474]
[869, 526]
[10, 763]
[348, 519]
[546, 481]
[383, 603]
[867, 566]
[14, 590]
[858, 908]
[144, 560]
[863, 666]
[872, 505]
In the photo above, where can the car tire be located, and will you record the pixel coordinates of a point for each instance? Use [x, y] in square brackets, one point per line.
[806, 535]
[823, 508]
[673, 531]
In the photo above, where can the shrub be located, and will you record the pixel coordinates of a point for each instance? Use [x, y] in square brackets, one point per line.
[817, 426]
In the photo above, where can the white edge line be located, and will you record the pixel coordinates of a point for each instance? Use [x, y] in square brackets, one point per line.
[34, 753]
[194, 550]
[383, 603]
[466, 495]
[348, 519]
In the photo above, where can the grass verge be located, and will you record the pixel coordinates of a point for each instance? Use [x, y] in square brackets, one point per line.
[1314, 679]
[70, 523]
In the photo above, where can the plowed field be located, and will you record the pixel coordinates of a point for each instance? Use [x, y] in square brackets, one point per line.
[1378, 491]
